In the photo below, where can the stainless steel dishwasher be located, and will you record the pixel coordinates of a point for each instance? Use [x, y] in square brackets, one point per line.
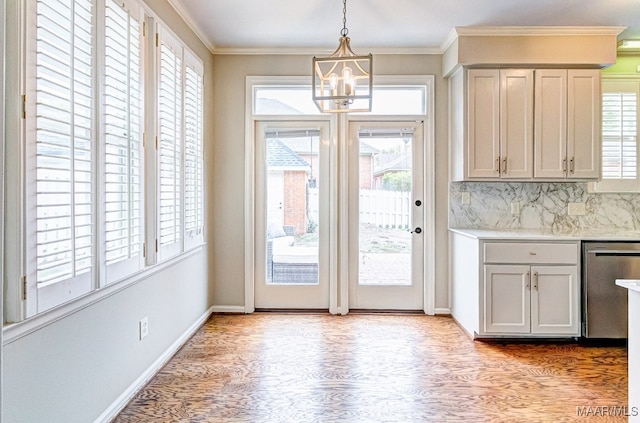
[604, 305]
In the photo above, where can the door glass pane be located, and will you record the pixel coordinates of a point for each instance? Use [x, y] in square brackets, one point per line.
[292, 206]
[385, 198]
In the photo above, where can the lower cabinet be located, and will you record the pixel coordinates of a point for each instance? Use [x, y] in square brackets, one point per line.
[512, 288]
[522, 299]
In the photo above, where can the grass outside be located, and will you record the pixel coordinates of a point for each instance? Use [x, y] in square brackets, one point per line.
[372, 239]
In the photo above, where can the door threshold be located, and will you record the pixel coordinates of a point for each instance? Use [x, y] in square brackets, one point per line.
[384, 311]
[293, 310]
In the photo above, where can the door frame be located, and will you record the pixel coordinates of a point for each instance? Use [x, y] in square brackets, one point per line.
[428, 300]
[404, 297]
[294, 295]
[250, 209]
[338, 167]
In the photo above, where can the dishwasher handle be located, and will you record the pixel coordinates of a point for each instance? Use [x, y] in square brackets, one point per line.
[606, 252]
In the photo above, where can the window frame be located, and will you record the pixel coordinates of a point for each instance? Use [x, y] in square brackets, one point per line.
[19, 283]
[621, 185]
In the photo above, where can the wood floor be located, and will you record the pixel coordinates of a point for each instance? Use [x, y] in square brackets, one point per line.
[269, 367]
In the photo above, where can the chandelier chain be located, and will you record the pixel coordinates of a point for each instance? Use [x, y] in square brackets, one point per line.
[344, 31]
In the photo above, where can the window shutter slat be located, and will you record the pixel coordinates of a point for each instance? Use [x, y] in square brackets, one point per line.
[123, 106]
[64, 107]
[170, 146]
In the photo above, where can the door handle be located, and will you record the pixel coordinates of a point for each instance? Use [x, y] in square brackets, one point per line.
[535, 280]
[417, 230]
[504, 166]
[418, 203]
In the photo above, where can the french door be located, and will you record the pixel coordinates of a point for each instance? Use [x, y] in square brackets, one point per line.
[291, 215]
[386, 198]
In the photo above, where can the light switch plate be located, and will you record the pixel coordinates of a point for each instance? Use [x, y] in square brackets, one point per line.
[465, 198]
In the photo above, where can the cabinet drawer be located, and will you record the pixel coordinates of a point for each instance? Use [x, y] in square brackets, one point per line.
[531, 253]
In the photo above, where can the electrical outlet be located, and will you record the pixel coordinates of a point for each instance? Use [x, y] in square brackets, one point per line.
[465, 198]
[576, 209]
[144, 327]
[515, 208]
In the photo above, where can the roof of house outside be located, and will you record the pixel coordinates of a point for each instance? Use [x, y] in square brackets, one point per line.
[310, 146]
[391, 163]
[280, 155]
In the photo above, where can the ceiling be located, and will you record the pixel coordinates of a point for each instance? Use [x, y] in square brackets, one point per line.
[228, 25]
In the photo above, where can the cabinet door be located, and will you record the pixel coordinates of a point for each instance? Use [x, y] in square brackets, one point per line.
[483, 128]
[550, 127]
[583, 123]
[506, 299]
[516, 123]
[554, 300]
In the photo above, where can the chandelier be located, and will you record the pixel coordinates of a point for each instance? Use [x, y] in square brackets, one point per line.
[343, 81]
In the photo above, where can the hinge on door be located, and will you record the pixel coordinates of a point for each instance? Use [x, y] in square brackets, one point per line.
[24, 106]
[144, 140]
[144, 29]
[24, 288]
[156, 245]
[157, 40]
[144, 249]
[156, 142]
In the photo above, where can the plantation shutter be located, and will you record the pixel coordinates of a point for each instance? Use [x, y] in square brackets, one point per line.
[123, 140]
[619, 135]
[170, 147]
[64, 152]
[193, 154]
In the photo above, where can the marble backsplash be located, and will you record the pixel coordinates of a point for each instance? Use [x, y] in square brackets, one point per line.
[541, 206]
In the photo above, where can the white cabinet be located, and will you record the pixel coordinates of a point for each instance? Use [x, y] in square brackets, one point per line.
[521, 299]
[567, 124]
[511, 288]
[507, 299]
[525, 124]
[500, 112]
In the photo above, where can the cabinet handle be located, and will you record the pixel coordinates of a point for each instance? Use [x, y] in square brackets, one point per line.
[535, 280]
[504, 165]
[571, 165]
[528, 280]
[564, 165]
[498, 164]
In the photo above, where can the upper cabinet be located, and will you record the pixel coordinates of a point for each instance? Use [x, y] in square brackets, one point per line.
[500, 112]
[525, 102]
[567, 124]
[525, 124]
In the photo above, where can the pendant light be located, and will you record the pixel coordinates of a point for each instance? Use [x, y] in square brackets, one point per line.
[343, 81]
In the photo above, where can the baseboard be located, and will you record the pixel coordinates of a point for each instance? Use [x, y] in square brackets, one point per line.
[228, 309]
[443, 311]
[118, 405]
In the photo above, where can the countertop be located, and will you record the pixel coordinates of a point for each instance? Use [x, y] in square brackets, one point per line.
[630, 284]
[543, 235]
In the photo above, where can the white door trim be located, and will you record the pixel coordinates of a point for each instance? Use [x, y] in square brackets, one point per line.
[429, 198]
[338, 271]
[249, 201]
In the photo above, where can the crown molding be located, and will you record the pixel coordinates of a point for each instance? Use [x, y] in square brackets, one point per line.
[315, 51]
[497, 31]
[191, 23]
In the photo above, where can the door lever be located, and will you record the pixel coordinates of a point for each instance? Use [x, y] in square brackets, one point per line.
[417, 230]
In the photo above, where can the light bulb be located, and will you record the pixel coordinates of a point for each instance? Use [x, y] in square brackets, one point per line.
[347, 80]
[333, 83]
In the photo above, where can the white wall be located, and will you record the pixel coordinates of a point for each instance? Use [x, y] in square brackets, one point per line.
[227, 157]
[74, 368]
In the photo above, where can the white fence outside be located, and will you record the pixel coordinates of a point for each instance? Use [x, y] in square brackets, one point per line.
[386, 209]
